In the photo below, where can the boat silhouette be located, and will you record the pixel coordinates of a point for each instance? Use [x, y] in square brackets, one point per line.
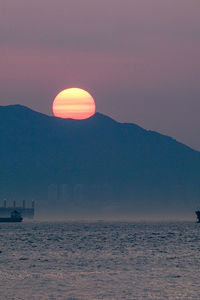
[198, 215]
[15, 216]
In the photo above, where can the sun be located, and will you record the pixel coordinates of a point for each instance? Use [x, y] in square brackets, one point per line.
[74, 103]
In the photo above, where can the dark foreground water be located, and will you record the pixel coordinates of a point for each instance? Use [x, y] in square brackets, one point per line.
[100, 261]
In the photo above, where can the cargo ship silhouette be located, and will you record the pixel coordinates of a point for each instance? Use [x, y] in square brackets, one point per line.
[26, 212]
[15, 216]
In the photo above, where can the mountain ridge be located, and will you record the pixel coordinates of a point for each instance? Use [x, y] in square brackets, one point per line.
[38, 150]
[22, 108]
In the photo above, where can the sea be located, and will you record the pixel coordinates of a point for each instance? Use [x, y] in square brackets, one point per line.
[80, 260]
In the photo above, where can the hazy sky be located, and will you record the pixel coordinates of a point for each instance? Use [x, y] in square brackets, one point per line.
[140, 59]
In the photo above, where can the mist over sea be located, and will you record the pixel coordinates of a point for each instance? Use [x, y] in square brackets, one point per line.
[99, 260]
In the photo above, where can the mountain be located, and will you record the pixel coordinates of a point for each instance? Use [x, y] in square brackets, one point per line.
[96, 163]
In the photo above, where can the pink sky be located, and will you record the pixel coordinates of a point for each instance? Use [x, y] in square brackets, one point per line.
[139, 59]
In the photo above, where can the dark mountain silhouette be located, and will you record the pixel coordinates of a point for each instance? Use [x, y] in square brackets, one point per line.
[115, 165]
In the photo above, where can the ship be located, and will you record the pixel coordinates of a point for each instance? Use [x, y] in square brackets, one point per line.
[15, 216]
[26, 212]
[198, 215]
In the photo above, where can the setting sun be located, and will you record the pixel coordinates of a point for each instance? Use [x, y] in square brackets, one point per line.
[73, 103]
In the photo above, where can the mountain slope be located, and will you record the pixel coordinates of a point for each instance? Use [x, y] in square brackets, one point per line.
[37, 150]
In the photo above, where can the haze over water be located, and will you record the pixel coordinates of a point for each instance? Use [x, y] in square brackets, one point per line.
[113, 260]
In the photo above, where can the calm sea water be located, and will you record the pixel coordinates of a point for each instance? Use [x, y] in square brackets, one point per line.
[76, 261]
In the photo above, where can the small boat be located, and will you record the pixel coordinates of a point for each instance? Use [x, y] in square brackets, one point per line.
[198, 215]
[15, 216]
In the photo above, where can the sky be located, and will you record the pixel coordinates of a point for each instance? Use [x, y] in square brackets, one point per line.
[140, 59]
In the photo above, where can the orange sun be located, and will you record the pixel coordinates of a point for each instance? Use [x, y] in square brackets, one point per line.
[73, 103]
